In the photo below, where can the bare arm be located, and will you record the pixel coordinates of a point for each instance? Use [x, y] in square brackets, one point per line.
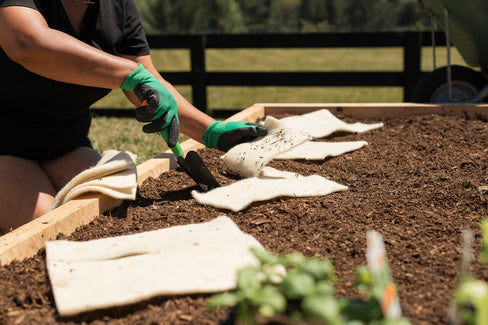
[193, 122]
[27, 39]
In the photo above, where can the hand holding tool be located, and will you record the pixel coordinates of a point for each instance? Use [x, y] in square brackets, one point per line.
[225, 135]
[159, 107]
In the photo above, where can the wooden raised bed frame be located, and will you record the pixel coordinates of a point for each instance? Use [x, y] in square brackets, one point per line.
[27, 240]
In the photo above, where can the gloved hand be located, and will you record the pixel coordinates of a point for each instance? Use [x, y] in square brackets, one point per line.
[225, 135]
[159, 106]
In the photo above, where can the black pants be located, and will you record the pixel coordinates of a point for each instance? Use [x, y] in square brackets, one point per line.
[42, 138]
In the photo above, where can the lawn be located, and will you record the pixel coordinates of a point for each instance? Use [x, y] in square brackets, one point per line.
[125, 134]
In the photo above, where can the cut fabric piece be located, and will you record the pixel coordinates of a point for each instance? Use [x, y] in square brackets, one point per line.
[313, 150]
[322, 123]
[114, 175]
[196, 258]
[272, 173]
[239, 195]
[247, 159]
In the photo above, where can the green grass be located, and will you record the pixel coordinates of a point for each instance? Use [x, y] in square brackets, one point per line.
[342, 59]
[126, 134]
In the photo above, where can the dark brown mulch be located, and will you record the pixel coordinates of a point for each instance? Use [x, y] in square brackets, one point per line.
[417, 182]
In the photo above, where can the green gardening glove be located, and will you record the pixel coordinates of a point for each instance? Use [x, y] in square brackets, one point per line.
[159, 106]
[225, 135]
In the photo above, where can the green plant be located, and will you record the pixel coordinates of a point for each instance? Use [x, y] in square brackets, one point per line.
[303, 289]
[471, 297]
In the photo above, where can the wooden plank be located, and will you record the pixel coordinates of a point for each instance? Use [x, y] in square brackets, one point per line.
[152, 168]
[190, 144]
[27, 240]
[383, 110]
[251, 114]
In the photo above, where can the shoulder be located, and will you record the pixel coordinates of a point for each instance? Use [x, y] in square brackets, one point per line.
[20, 3]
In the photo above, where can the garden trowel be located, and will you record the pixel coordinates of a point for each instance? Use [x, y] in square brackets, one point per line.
[193, 165]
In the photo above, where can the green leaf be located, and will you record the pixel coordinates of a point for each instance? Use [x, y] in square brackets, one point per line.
[273, 273]
[296, 315]
[393, 321]
[365, 311]
[474, 294]
[265, 256]
[266, 311]
[248, 280]
[364, 281]
[324, 288]
[354, 322]
[319, 269]
[363, 276]
[294, 258]
[222, 300]
[484, 243]
[467, 316]
[297, 285]
[326, 309]
[471, 291]
[269, 301]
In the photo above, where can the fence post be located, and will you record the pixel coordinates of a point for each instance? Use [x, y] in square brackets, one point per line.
[198, 73]
[412, 48]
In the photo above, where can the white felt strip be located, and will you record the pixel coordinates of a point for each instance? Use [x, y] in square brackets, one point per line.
[322, 123]
[114, 175]
[272, 173]
[247, 159]
[239, 195]
[313, 150]
[197, 258]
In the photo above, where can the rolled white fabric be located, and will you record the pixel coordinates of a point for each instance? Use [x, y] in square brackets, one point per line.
[114, 175]
[247, 159]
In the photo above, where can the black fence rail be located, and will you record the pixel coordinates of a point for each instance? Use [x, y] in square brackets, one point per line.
[199, 78]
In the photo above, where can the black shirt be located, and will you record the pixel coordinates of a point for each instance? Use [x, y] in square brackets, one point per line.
[34, 106]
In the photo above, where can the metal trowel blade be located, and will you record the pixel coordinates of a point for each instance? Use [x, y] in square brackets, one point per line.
[195, 167]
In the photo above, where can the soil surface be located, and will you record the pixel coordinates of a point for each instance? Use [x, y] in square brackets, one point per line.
[419, 182]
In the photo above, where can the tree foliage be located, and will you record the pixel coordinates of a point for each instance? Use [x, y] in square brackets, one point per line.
[230, 16]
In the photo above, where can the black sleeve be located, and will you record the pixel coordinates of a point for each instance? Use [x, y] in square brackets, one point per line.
[22, 3]
[135, 42]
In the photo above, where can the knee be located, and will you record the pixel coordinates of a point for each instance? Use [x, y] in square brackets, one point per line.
[20, 215]
[27, 192]
[42, 206]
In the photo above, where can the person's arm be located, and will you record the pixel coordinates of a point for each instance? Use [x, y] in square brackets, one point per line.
[193, 122]
[198, 125]
[28, 40]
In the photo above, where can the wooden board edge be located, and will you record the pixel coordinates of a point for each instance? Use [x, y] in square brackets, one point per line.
[251, 114]
[190, 144]
[153, 168]
[27, 240]
[382, 110]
